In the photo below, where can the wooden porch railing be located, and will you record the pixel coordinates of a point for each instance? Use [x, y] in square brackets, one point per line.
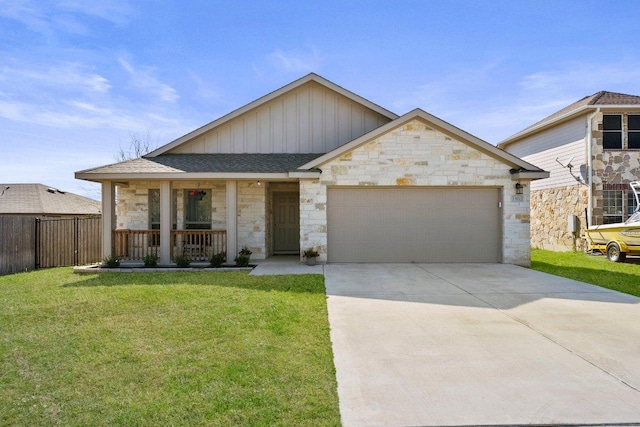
[198, 245]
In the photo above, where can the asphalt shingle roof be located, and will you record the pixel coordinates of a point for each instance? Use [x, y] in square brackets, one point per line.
[239, 163]
[599, 98]
[38, 199]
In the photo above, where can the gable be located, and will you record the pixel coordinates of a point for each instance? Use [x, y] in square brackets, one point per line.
[435, 124]
[415, 153]
[314, 116]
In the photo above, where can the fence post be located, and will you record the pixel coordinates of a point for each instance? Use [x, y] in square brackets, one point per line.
[75, 240]
[37, 244]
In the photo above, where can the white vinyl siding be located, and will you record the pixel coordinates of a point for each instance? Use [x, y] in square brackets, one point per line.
[310, 119]
[562, 142]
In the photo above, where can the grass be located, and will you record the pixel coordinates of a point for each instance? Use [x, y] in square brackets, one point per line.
[165, 349]
[622, 277]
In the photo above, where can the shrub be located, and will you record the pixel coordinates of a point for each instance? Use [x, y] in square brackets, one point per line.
[111, 261]
[217, 260]
[311, 253]
[242, 260]
[151, 260]
[245, 251]
[182, 261]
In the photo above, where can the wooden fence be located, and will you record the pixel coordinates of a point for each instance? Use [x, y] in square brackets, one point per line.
[28, 243]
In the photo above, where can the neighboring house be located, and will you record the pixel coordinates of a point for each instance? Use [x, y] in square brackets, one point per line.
[37, 200]
[314, 165]
[592, 150]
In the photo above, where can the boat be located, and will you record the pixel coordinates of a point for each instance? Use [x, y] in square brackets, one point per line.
[620, 239]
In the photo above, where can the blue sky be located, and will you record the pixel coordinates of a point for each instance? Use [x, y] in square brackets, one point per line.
[78, 77]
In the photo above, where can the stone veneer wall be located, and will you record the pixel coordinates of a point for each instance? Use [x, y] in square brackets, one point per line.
[611, 166]
[416, 155]
[252, 224]
[132, 207]
[550, 209]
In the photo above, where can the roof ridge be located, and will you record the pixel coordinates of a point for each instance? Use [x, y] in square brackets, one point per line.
[596, 96]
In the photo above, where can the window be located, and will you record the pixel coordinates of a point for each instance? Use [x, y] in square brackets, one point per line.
[154, 209]
[612, 132]
[634, 132]
[197, 208]
[617, 205]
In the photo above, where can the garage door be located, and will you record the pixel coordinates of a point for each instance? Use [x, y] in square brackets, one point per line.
[413, 225]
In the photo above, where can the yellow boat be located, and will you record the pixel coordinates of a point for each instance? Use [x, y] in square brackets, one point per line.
[618, 240]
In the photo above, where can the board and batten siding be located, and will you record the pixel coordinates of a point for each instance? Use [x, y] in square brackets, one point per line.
[561, 142]
[310, 119]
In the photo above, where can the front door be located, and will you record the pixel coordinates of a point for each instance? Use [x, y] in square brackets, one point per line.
[286, 222]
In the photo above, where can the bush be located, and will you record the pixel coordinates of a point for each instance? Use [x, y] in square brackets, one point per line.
[151, 260]
[217, 260]
[182, 261]
[111, 261]
[242, 260]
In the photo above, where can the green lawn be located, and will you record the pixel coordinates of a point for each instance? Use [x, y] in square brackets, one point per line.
[164, 349]
[623, 277]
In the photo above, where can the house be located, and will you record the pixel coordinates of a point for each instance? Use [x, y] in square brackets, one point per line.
[592, 150]
[314, 165]
[37, 200]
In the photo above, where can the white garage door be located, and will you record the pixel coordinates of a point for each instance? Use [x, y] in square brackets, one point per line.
[413, 225]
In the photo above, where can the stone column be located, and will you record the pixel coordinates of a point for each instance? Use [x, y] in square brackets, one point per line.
[108, 217]
[165, 222]
[232, 219]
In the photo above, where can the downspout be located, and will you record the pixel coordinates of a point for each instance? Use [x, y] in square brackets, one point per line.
[590, 166]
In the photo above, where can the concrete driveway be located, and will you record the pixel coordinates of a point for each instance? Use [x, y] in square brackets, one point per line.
[478, 344]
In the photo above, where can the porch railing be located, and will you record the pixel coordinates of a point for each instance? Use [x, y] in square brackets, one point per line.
[198, 245]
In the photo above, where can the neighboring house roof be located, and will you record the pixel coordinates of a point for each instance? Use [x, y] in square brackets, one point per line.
[38, 199]
[263, 100]
[602, 99]
[516, 163]
[225, 164]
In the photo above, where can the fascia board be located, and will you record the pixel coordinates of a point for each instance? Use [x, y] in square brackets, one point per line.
[529, 175]
[305, 174]
[265, 99]
[174, 176]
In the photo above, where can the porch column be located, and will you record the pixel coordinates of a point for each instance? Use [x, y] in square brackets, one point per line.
[165, 222]
[232, 220]
[108, 217]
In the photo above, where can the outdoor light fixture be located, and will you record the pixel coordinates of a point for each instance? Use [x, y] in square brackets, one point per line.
[519, 188]
[259, 183]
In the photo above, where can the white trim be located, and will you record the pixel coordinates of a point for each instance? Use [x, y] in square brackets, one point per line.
[263, 100]
[529, 175]
[445, 127]
[180, 176]
[305, 174]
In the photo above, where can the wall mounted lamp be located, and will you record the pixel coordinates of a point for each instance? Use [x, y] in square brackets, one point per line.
[519, 188]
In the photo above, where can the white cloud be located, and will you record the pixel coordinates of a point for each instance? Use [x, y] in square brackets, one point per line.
[493, 102]
[144, 80]
[295, 61]
[116, 11]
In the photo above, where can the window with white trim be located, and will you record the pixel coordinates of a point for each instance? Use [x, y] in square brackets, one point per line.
[617, 205]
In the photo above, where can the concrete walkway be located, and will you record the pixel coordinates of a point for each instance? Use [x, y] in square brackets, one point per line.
[471, 344]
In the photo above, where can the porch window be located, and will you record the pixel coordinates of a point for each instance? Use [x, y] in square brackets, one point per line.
[612, 132]
[154, 209]
[197, 209]
[634, 132]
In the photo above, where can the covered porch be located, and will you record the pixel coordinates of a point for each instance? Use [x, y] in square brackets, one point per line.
[199, 218]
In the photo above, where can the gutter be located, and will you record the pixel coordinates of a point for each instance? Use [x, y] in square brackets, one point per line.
[590, 166]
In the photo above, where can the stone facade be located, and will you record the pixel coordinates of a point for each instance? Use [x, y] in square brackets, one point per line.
[132, 203]
[252, 224]
[550, 210]
[416, 154]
